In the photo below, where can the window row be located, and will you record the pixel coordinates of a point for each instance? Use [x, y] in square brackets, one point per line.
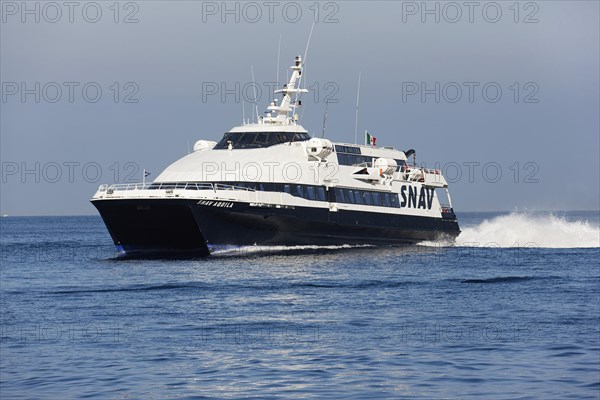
[309, 192]
[353, 159]
[318, 193]
[366, 197]
[347, 149]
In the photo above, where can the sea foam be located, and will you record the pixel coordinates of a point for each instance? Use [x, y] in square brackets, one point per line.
[531, 230]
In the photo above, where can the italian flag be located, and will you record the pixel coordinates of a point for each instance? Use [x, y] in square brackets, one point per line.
[370, 139]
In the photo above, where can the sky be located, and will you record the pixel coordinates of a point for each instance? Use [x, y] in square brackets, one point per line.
[502, 96]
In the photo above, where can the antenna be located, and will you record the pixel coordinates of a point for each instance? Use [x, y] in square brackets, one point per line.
[308, 42]
[356, 115]
[299, 95]
[254, 86]
[243, 111]
[188, 143]
[278, 57]
[324, 119]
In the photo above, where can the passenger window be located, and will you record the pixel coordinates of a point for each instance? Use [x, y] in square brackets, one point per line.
[358, 197]
[386, 200]
[321, 193]
[310, 192]
[299, 191]
[394, 198]
[349, 196]
[339, 196]
[367, 198]
[286, 188]
[376, 199]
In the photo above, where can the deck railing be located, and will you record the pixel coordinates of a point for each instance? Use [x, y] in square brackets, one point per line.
[402, 168]
[110, 189]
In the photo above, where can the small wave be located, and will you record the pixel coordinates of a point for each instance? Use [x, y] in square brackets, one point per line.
[137, 288]
[527, 230]
[499, 279]
[208, 286]
[356, 285]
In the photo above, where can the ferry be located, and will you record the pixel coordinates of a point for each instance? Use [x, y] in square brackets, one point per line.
[269, 183]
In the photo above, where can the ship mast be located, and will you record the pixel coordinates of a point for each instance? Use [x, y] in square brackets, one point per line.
[280, 114]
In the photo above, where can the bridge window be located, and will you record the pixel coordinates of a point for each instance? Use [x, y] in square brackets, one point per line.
[254, 140]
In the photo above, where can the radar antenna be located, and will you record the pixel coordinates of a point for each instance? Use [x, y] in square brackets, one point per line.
[356, 115]
[324, 118]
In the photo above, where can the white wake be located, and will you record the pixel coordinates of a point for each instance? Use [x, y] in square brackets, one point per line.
[236, 250]
[527, 230]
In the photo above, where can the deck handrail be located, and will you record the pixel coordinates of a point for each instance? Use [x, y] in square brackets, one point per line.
[118, 187]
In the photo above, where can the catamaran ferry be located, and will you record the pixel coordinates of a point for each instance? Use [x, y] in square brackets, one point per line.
[269, 183]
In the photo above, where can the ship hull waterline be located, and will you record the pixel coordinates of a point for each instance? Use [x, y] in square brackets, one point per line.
[185, 226]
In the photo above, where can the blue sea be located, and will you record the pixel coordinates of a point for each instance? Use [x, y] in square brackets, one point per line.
[512, 310]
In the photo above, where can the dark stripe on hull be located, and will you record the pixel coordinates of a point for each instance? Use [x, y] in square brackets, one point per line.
[302, 226]
[182, 225]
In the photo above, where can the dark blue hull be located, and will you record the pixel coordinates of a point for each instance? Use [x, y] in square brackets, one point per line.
[184, 226]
